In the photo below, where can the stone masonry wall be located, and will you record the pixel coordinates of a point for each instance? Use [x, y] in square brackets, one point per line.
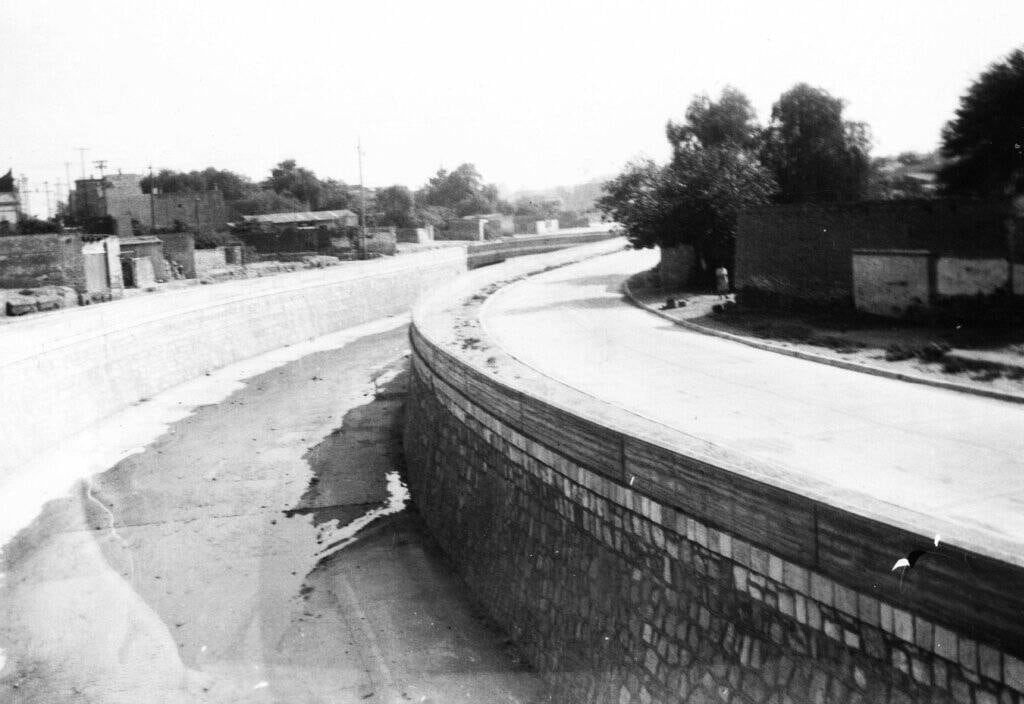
[628, 574]
[29, 261]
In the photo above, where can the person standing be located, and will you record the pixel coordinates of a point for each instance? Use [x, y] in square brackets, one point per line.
[722, 282]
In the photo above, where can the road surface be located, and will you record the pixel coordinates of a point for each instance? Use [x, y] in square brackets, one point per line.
[911, 449]
[235, 559]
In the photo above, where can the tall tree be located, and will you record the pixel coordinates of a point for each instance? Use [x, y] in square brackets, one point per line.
[233, 186]
[731, 121]
[461, 190]
[816, 156]
[696, 199]
[984, 143]
[288, 178]
[394, 206]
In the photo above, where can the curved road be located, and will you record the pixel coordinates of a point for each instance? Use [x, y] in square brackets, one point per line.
[910, 449]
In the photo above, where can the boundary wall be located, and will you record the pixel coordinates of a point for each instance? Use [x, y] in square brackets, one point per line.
[62, 372]
[633, 563]
[484, 254]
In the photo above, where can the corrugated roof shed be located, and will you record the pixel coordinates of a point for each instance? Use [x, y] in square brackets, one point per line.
[303, 216]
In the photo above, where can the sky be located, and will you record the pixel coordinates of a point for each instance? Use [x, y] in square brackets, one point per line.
[535, 94]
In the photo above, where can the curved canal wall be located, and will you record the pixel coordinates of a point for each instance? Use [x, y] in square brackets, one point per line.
[62, 372]
[635, 564]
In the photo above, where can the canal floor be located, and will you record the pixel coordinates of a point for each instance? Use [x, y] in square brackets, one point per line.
[260, 550]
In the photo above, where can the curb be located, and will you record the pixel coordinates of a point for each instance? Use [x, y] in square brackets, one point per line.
[820, 359]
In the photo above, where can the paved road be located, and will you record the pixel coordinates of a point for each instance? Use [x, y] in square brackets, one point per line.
[958, 459]
[218, 564]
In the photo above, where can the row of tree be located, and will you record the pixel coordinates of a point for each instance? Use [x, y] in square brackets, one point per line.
[290, 187]
[723, 161]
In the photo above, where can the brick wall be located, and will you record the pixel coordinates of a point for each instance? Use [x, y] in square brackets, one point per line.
[803, 252]
[180, 247]
[28, 261]
[629, 572]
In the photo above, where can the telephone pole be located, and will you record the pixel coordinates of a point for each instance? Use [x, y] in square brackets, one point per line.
[362, 201]
[152, 206]
[100, 164]
[81, 158]
[23, 195]
[46, 190]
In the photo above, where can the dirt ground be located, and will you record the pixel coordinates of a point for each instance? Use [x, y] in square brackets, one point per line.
[261, 550]
[979, 358]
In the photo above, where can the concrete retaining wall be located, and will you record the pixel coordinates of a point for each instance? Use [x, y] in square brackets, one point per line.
[62, 372]
[487, 253]
[636, 564]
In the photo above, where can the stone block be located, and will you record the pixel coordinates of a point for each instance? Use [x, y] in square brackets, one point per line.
[845, 599]
[924, 633]
[796, 578]
[741, 552]
[821, 589]
[967, 653]
[1013, 672]
[868, 609]
[758, 560]
[725, 544]
[990, 663]
[885, 617]
[903, 625]
[920, 671]
[945, 643]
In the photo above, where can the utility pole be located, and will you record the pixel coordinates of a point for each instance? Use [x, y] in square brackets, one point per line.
[46, 190]
[152, 201]
[100, 164]
[23, 195]
[81, 158]
[71, 185]
[362, 201]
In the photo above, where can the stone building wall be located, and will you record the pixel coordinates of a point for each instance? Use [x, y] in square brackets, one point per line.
[628, 572]
[29, 261]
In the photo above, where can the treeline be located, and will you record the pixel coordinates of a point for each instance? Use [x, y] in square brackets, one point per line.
[290, 187]
[723, 161]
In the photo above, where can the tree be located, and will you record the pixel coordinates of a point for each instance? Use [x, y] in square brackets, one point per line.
[729, 122]
[266, 201]
[633, 200]
[231, 185]
[696, 199]
[287, 178]
[461, 190]
[539, 207]
[336, 195]
[984, 143]
[394, 206]
[815, 155]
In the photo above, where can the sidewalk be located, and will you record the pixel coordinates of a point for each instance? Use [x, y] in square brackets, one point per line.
[916, 354]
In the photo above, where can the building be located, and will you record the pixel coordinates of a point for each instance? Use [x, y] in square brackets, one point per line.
[120, 196]
[329, 219]
[10, 203]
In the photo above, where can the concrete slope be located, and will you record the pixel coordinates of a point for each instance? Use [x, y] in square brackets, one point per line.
[930, 458]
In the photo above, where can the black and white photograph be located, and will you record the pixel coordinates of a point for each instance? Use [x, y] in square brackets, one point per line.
[564, 352]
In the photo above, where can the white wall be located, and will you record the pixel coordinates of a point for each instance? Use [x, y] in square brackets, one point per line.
[889, 284]
[970, 277]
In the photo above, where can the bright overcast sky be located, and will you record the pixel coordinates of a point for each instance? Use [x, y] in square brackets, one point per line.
[534, 93]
